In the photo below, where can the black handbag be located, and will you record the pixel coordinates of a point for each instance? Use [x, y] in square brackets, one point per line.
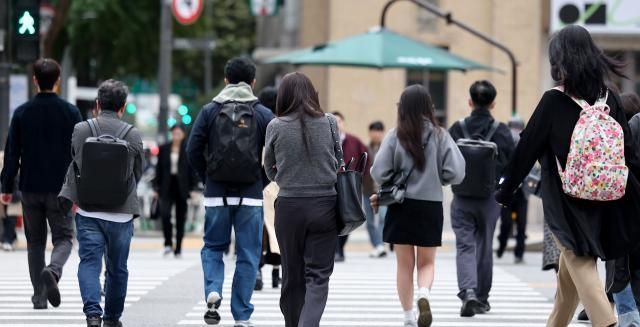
[395, 190]
[154, 213]
[349, 188]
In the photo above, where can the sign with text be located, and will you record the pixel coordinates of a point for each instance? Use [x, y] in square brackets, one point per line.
[598, 16]
[186, 12]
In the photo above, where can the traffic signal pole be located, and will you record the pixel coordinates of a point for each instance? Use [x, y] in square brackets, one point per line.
[4, 72]
[164, 68]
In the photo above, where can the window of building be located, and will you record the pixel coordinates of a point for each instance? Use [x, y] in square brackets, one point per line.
[436, 83]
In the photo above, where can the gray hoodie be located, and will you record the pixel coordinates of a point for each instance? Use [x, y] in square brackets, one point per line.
[444, 164]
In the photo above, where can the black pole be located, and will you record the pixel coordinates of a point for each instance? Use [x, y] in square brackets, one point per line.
[450, 20]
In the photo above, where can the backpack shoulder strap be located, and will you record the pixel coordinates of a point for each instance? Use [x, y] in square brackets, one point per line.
[492, 131]
[465, 130]
[124, 130]
[94, 127]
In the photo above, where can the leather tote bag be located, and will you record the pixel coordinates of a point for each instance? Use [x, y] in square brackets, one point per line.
[349, 188]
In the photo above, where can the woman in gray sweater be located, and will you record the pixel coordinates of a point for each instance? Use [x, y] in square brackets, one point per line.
[299, 156]
[419, 148]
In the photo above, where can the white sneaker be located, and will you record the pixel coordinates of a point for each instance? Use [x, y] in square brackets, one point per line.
[167, 251]
[410, 323]
[243, 323]
[378, 252]
[7, 247]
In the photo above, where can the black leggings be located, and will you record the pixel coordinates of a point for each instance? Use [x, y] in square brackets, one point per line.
[166, 204]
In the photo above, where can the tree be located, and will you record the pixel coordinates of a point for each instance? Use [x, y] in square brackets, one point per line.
[61, 9]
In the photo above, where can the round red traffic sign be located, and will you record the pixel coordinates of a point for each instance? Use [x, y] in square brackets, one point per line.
[186, 12]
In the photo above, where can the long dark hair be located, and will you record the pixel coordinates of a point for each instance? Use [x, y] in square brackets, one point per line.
[578, 64]
[297, 97]
[415, 106]
[630, 104]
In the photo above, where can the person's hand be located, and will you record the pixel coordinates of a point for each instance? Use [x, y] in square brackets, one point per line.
[5, 198]
[503, 198]
[156, 195]
[374, 202]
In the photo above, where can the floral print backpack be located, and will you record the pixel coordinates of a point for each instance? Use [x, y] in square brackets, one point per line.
[596, 168]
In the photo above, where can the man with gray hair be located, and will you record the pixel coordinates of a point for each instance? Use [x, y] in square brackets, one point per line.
[104, 220]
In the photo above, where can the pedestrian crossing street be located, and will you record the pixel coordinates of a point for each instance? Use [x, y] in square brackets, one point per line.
[147, 271]
[363, 293]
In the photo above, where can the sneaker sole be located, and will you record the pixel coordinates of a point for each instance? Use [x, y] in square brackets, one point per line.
[472, 308]
[425, 318]
[53, 293]
[213, 303]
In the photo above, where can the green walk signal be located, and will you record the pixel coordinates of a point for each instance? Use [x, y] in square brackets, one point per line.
[171, 122]
[27, 24]
[183, 110]
[131, 108]
[186, 119]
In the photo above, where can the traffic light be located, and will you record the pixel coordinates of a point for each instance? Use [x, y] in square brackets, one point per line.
[26, 30]
[131, 108]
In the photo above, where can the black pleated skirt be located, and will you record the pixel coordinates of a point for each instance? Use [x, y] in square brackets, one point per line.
[414, 222]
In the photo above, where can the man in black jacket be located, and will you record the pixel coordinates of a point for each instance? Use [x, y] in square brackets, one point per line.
[474, 218]
[39, 146]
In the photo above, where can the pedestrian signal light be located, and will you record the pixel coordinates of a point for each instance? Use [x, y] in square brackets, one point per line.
[131, 108]
[25, 24]
[186, 119]
[183, 110]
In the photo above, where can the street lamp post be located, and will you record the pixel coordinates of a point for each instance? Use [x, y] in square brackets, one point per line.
[450, 20]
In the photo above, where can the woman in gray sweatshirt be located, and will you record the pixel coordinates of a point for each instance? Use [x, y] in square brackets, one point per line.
[419, 148]
[299, 156]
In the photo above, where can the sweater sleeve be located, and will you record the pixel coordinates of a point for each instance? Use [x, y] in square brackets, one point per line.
[382, 170]
[269, 153]
[198, 142]
[451, 161]
[531, 146]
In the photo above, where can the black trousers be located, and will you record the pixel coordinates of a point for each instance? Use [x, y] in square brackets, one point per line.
[166, 203]
[40, 209]
[516, 212]
[307, 235]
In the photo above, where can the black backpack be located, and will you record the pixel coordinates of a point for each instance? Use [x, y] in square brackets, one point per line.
[233, 157]
[481, 156]
[105, 179]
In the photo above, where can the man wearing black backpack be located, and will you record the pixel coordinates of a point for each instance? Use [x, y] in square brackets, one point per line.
[102, 180]
[225, 149]
[486, 145]
[39, 148]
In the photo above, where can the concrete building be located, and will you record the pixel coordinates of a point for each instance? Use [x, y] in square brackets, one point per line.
[524, 26]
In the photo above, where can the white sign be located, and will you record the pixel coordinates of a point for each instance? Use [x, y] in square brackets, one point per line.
[18, 92]
[186, 11]
[264, 7]
[598, 16]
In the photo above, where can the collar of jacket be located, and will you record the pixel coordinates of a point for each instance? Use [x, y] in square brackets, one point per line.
[108, 114]
[240, 92]
[480, 112]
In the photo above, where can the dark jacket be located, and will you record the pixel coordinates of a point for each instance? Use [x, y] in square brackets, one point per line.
[109, 124]
[187, 181]
[606, 229]
[39, 144]
[201, 137]
[479, 123]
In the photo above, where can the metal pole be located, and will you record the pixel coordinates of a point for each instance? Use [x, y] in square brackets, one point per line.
[450, 20]
[5, 68]
[208, 57]
[164, 68]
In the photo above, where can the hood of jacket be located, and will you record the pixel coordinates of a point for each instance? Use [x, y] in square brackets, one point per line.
[241, 92]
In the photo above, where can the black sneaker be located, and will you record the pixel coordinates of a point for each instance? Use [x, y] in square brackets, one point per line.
[51, 284]
[425, 318]
[275, 278]
[40, 305]
[582, 316]
[111, 323]
[487, 306]
[94, 321]
[470, 303]
[259, 283]
[212, 317]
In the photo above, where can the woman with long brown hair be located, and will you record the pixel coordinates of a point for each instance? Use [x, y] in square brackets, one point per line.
[426, 155]
[299, 156]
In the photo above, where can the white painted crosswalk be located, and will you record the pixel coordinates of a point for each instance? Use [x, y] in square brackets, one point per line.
[147, 271]
[363, 293]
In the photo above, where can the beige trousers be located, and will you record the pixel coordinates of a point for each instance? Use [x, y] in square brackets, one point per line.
[578, 280]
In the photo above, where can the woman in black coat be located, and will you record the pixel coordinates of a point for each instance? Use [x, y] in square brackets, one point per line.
[583, 229]
[173, 183]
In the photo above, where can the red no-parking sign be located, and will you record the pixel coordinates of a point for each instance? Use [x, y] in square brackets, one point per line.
[186, 12]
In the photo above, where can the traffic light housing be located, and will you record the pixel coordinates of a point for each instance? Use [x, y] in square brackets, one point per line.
[25, 24]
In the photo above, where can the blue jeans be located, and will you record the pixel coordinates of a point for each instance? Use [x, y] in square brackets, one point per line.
[375, 222]
[98, 238]
[247, 224]
[628, 315]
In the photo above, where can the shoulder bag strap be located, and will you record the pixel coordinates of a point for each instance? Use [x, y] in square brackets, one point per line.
[465, 130]
[492, 131]
[337, 147]
[124, 130]
[93, 126]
